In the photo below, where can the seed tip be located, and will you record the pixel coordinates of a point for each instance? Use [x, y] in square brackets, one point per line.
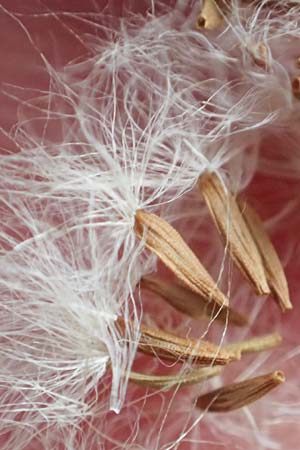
[200, 22]
[279, 377]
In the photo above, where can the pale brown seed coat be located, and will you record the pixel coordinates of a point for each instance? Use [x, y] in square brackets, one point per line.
[168, 346]
[171, 347]
[272, 265]
[234, 231]
[164, 241]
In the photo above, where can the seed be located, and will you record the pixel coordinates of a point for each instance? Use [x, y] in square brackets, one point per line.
[238, 395]
[190, 303]
[164, 241]
[211, 16]
[234, 231]
[272, 265]
[171, 347]
[168, 346]
[166, 382]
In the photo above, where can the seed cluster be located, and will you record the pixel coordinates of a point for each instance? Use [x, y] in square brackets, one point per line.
[196, 294]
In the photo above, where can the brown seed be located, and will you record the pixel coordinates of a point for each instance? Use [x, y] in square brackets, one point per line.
[256, 344]
[211, 16]
[166, 382]
[272, 265]
[234, 231]
[190, 303]
[171, 347]
[163, 240]
[238, 395]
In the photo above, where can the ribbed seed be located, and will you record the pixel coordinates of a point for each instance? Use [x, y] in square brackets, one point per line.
[163, 240]
[190, 303]
[238, 395]
[234, 231]
[171, 347]
[272, 265]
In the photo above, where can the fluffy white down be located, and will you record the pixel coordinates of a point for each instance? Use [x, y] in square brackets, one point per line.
[130, 125]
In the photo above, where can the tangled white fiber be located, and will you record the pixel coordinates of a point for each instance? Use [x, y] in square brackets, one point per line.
[151, 104]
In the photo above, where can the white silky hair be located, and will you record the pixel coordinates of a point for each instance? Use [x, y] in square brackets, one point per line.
[130, 126]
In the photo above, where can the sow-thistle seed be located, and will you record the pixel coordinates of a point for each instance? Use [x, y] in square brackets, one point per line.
[166, 382]
[255, 345]
[164, 241]
[190, 303]
[211, 16]
[168, 346]
[272, 265]
[238, 395]
[234, 231]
